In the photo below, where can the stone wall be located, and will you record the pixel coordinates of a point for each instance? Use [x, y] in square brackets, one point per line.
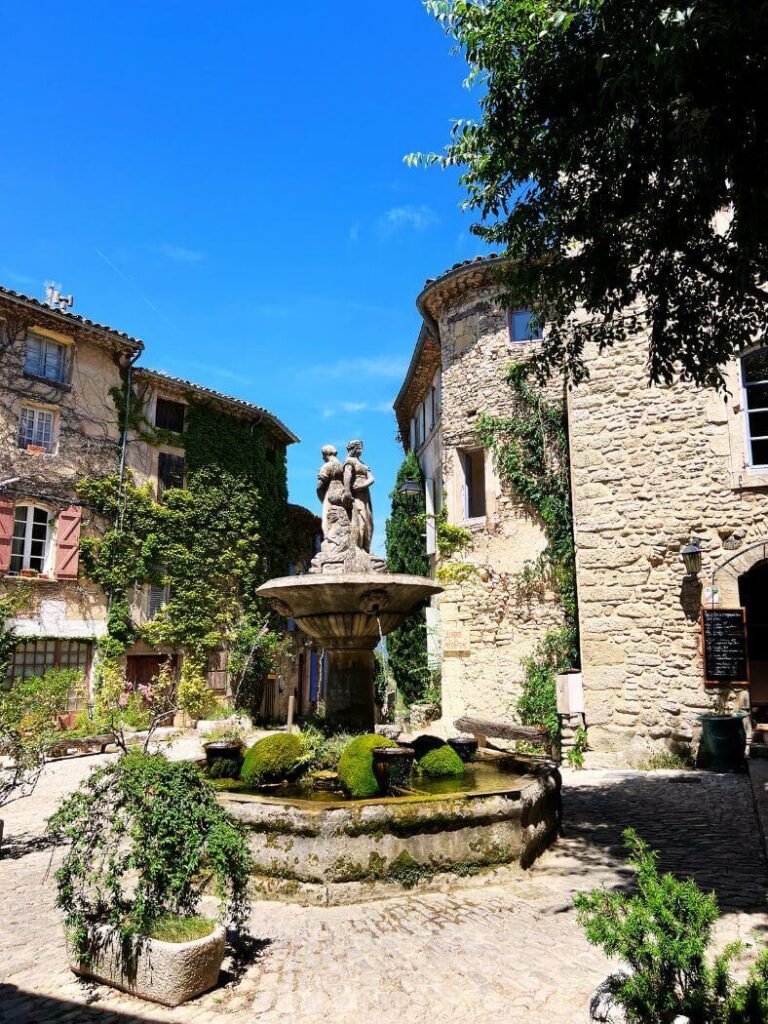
[650, 468]
[487, 627]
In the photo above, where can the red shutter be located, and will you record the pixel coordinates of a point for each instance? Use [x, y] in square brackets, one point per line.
[68, 542]
[6, 533]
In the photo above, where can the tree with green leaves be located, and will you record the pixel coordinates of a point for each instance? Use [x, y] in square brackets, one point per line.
[406, 553]
[620, 160]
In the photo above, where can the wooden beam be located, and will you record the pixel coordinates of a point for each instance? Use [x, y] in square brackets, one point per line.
[503, 730]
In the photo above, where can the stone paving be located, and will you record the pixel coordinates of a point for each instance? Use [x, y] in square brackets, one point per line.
[511, 950]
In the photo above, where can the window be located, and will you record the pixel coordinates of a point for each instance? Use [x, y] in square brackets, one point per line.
[46, 359]
[754, 369]
[169, 415]
[157, 594]
[34, 657]
[432, 407]
[474, 484]
[36, 428]
[170, 472]
[31, 538]
[422, 423]
[521, 325]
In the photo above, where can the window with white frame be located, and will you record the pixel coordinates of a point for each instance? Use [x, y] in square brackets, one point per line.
[754, 375]
[36, 428]
[47, 359]
[522, 325]
[31, 538]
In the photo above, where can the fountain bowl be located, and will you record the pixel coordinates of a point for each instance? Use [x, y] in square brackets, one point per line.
[348, 613]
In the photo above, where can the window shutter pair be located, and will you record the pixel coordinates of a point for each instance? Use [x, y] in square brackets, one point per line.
[6, 533]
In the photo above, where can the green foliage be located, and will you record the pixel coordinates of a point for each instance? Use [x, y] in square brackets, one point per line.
[10, 605]
[322, 752]
[28, 711]
[224, 768]
[145, 834]
[662, 934]
[530, 451]
[213, 542]
[181, 929]
[671, 760]
[575, 756]
[612, 132]
[356, 765]
[406, 553]
[442, 762]
[273, 759]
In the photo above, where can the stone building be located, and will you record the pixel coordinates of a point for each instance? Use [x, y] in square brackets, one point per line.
[651, 467]
[63, 381]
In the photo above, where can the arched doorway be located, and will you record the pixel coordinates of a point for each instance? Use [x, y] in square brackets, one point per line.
[753, 596]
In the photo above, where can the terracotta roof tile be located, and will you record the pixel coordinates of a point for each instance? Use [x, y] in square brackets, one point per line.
[72, 318]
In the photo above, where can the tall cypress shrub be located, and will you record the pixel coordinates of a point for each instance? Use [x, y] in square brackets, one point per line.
[406, 553]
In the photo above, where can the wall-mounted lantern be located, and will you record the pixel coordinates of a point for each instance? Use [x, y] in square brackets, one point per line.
[691, 554]
[409, 487]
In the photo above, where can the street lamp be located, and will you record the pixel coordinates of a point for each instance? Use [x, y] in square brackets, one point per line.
[409, 487]
[691, 555]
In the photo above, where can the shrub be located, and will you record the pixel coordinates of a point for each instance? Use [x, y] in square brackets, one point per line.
[145, 834]
[662, 933]
[323, 752]
[671, 760]
[442, 763]
[356, 765]
[224, 768]
[272, 759]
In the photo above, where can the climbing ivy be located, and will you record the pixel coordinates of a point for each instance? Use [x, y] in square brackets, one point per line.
[406, 553]
[214, 542]
[530, 451]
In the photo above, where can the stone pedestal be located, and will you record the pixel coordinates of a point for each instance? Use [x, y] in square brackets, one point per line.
[349, 698]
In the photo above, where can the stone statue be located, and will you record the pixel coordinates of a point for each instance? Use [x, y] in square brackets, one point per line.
[347, 518]
[358, 480]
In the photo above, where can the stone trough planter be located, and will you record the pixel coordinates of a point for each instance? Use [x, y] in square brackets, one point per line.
[162, 972]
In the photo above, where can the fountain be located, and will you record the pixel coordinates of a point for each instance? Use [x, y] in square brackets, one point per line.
[317, 845]
[347, 601]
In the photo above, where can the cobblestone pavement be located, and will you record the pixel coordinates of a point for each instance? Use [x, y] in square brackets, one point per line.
[510, 950]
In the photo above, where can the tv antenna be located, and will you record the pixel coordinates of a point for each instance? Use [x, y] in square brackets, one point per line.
[55, 299]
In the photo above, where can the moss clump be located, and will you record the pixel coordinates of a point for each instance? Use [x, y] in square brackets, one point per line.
[172, 928]
[442, 763]
[224, 768]
[356, 765]
[272, 759]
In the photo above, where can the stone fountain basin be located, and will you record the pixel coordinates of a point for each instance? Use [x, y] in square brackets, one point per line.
[345, 606]
[346, 851]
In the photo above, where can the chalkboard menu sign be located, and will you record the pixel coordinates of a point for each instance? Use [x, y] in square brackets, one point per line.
[725, 645]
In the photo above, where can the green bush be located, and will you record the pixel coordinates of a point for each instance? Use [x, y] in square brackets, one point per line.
[442, 763]
[323, 752]
[224, 768]
[273, 759]
[356, 765]
[662, 934]
[143, 834]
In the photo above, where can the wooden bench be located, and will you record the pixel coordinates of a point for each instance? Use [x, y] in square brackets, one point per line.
[484, 727]
[80, 745]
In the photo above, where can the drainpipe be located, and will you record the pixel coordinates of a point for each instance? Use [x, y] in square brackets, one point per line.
[124, 439]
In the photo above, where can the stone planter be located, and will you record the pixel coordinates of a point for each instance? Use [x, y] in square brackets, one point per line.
[465, 746]
[222, 750]
[162, 972]
[392, 768]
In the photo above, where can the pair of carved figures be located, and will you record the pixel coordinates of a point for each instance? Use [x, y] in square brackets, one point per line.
[344, 490]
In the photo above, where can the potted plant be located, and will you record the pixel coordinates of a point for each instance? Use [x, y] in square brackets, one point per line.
[224, 744]
[146, 836]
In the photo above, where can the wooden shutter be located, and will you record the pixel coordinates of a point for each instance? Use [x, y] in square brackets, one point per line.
[6, 533]
[68, 543]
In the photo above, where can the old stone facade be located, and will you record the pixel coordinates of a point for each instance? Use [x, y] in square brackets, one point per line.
[650, 468]
[62, 381]
[484, 629]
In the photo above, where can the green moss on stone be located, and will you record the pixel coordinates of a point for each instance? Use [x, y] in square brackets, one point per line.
[272, 759]
[442, 763]
[356, 765]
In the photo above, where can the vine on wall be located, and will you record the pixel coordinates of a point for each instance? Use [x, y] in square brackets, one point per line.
[213, 542]
[530, 451]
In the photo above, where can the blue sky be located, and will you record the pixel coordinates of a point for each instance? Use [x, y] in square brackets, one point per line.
[226, 182]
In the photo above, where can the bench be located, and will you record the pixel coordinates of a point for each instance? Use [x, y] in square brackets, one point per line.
[484, 727]
[80, 745]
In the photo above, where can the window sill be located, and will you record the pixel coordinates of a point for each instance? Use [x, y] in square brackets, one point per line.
[16, 578]
[59, 385]
[476, 524]
[749, 480]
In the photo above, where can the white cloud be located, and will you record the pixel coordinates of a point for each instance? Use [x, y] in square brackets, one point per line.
[387, 367]
[350, 408]
[399, 218]
[178, 254]
[354, 233]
